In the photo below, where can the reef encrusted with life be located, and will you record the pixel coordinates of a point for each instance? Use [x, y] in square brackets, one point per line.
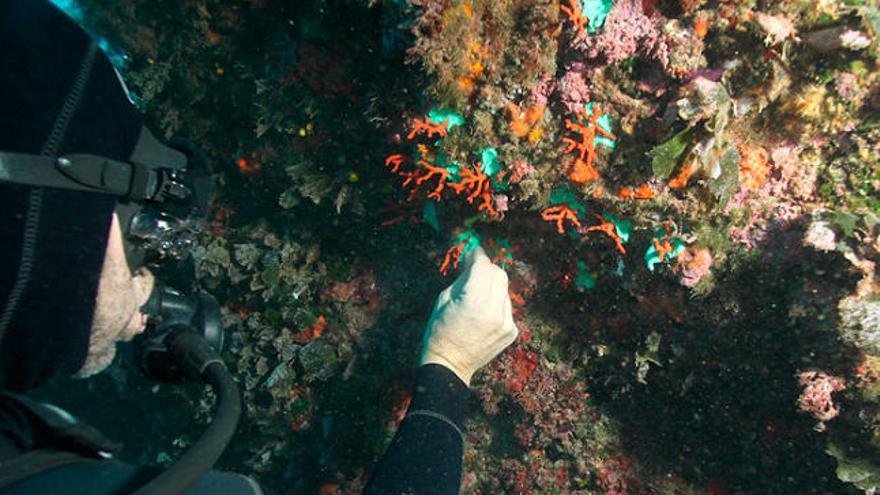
[684, 194]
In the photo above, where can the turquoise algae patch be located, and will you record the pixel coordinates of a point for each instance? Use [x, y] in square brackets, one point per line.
[470, 239]
[440, 115]
[489, 161]
[490, 165]
[604, 123]
[565, 196]
[584, 279]
[429, 214]
[596, 11]
[623, 227]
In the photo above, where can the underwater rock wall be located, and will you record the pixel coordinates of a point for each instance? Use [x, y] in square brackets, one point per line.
[684, 194]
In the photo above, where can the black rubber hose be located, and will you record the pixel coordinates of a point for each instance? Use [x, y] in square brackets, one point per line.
[200, 458]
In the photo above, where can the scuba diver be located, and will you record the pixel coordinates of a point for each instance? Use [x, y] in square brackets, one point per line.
[89, 199]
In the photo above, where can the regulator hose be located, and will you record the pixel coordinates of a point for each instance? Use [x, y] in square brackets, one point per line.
[195, 355]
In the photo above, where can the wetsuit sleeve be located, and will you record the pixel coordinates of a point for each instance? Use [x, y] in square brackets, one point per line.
[426, 453]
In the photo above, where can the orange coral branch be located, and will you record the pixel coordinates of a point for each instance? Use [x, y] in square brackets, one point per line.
[248, 167]
[575, 15]
[394, 162]
[522, 122]
[680, 181]
[473, 179]
[409, 177]
[664, 247]
[585, 149]
[501, 253]
[453, 256]
[401, 212]
[754, 166]
[475, 68]
[441, 172]
[560, 214]
[312, 332]
[430, 128]
[587, 127]
[644, 192]
[701, 27]
[610, 230]
[581, 172]
[591, 123]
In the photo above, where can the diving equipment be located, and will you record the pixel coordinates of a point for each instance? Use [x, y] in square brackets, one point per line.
[162, 191]
[183, 339]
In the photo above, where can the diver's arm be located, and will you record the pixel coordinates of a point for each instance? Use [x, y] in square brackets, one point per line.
[472, 323]
[425, 455]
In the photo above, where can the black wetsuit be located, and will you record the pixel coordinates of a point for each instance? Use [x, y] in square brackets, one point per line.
[426, 453]
[43, 450]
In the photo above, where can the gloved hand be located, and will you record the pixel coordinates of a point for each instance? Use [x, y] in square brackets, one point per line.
[472, 321]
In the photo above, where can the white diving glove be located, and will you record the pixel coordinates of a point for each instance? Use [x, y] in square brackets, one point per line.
[472, 321]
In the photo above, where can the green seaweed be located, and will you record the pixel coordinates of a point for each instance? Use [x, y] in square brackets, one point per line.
[727, 181]
[664, 156]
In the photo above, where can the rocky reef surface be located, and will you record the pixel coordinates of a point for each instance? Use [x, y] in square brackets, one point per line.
[684, 193]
